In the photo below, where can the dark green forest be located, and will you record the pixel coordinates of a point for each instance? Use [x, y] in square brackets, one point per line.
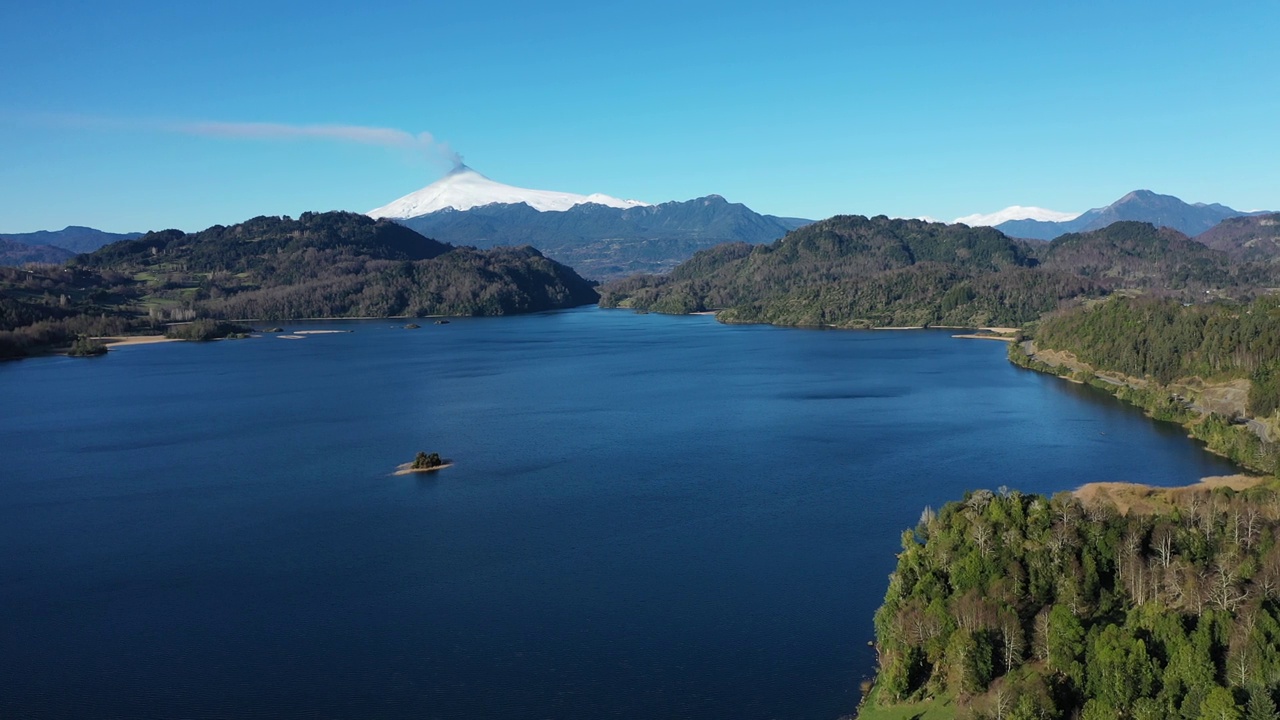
[1019, 606]
[337, 265]
[274, 268]
[1139, 255]
[45, 306]
[852, 271]
[1166, 340]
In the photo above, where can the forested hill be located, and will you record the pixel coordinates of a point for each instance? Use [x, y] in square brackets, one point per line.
[856, 271]
[336, 265]
[1166, 340]
[17, 254]
[1017, 607]
[262, 243]
[1140, 255]
[1214, 367]
[1251, 238]
[319, 265]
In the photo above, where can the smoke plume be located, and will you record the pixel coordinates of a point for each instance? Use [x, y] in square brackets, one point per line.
[423, 142]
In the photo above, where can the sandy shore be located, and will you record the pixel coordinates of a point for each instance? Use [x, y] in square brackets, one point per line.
[1147, 499]
[997, 330]
[407, 468]
[135, 340]
[972, 336]
[280, 323]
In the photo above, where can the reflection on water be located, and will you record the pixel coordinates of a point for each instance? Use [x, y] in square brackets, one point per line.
[648, 516]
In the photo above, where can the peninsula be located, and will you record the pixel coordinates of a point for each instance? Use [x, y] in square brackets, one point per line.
[1015, 606]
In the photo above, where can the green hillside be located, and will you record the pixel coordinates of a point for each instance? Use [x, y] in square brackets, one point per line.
[275, 268]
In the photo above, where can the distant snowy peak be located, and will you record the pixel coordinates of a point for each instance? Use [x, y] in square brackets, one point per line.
[1016, 212]
[465, 188]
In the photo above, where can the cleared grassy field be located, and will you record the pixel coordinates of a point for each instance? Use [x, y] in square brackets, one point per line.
[938, 709]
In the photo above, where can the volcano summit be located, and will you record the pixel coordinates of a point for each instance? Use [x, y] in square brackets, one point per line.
[598, 235]
[464, 188]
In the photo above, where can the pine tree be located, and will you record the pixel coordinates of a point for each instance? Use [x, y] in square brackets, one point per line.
[1261, 705]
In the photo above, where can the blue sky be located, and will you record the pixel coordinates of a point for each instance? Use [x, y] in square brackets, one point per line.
[110, 112]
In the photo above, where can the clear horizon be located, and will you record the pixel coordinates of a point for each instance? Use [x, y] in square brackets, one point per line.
[132, 117]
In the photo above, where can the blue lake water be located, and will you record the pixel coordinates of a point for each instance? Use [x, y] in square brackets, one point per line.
[649, 516]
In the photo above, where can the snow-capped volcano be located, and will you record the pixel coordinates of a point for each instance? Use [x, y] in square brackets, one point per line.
[1016, 212]
[464, 188]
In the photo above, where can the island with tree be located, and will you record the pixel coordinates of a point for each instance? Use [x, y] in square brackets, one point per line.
[424, 462]
[87, 347]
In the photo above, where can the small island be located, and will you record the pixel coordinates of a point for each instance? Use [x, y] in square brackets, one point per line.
[87, 347]
[424, 462]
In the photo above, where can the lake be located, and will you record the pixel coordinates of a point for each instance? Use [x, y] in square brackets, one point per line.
[648, 516]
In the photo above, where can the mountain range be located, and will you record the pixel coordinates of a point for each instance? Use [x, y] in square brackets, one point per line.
[605, 242]
[73, 237]
[605, 237]
[1140, 205]
[599, 236]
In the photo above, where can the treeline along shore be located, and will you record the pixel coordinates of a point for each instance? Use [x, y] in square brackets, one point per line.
[852, 271]
[1214, 368]
[320, 265]
[1119, 601]
[1114, 603]
[1003, 605]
